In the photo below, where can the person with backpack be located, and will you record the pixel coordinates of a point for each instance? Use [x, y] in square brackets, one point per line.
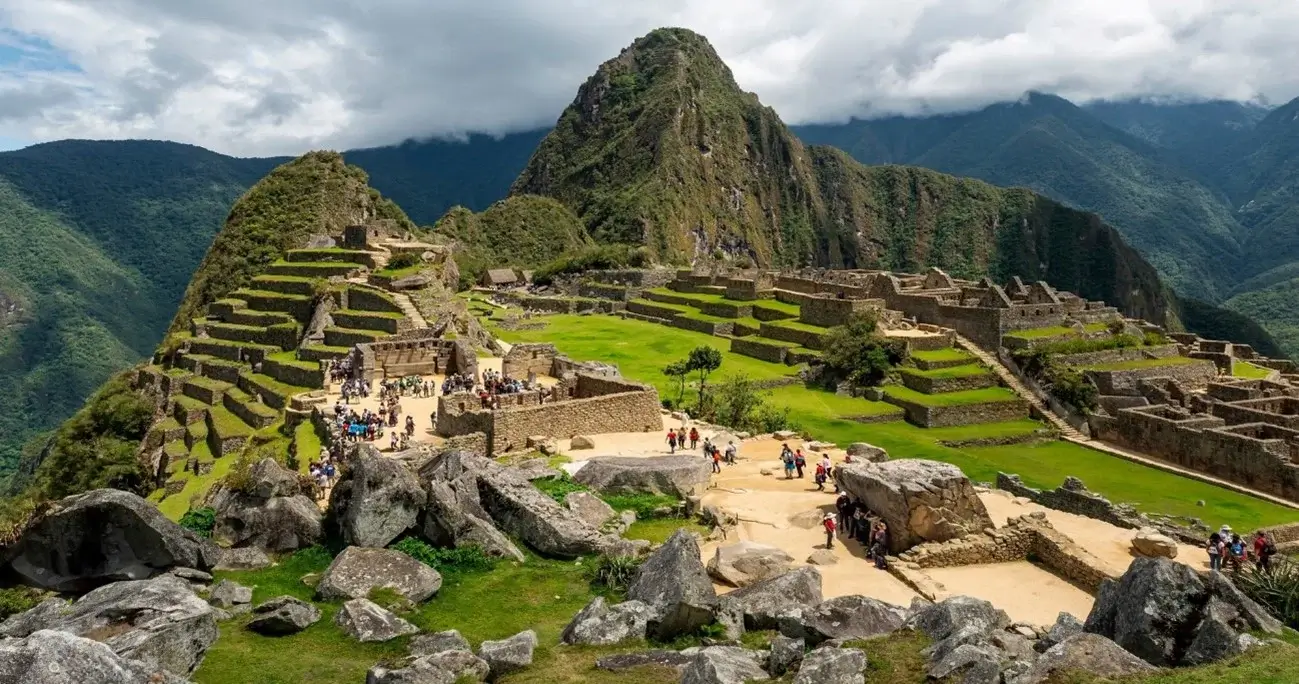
[880, 545]
[717, 460]
[730, 453]
[828, 524]
[1215, 549]
[672, 441]
[799, 462]
[819, 477]
[694, 439]
[1264, 549]
[1236, 552]
[787, 457]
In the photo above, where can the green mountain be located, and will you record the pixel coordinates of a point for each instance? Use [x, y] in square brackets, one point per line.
[520, 231]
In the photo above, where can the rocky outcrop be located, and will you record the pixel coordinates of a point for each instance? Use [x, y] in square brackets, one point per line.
[55, 657]
[674, 584]
[832, 666]
[1066, 625]
[589, 508]
[358, 571]
[445, 667]
[246, 558]
[920, 500]
[366, 621]
[376, 500]
[160, 622]
[724, 665]
[283, 615]
[746, 562]
[863, 451]
[508, 655]
[102, 536]
[229, 595]
[1167, 614]
[270, 512]
[522, 511]
[1084, 653]
[681, 475]
[600, 624]
[843, 617]
[437, 642]
[763, 604]
[447, 521]
[1150, 542]
[785, 655]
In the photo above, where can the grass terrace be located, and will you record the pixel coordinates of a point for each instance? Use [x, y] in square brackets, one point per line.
[949, 354]
[695, 296]
[290, 358]
[1055, 331]
[967, 371]
[987, 395]
[401, 272]
[1245, 369]
[777, 306]
[798, 325]
[1139, 364]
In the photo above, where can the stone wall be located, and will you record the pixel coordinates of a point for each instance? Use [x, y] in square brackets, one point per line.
[417, 352]
[775, 353]
[828, 312]
[929, 385]
[633, 277]
[968, 414]
[606, 291]
[1196, 375]
[725, 309]
[1117, 355]
[524, 359]
[803, 338]
[292, 374]
[370, 299]
[703, 326]
[1281, 411]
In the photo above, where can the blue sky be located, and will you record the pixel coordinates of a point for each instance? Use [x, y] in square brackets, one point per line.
[20, 55]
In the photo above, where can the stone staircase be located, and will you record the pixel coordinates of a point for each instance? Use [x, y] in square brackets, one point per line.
[411, 312]
[1014, 383]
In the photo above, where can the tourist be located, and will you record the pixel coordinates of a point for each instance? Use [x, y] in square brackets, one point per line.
[1215, 550]
[394, 442]
[841, 504]
[825, 463]
[1236, 551]
[819, 477]
[828, 524]
[1264, 549]
[880, 545]
[787, 457]
[410, 426]
[694, 439]
[799, 462]
[717, 460]
[731, 451]
[708, 446]
[861, 526]
[672, 440]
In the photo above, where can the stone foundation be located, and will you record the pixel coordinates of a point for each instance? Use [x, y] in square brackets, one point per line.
[928, 385]
[758, 349]
[968, 414]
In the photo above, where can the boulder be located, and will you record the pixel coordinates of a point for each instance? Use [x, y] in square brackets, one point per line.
[1066, 625]
[366, 621]
[784, 434]
[653, 658]
[1085, 653]
[786, 655]
[1215, 637]
[1149, 542]
[674, 583]
[680, 475]
[102, 536]
[449, 521]
[599, 624]
[536, 469]
[56, 657]
[920, 500]
[822, 557]
[227, 594]
[524, 512]
[843, 617]
[862, 451]
[247, 558]
[970, 663]
[197, 578]
[508, 655]
[590, 508]
[268, 512]
[358, 571]
[832, 666]
[437, 642]
[376, 500]
[746, 562]
[160, 622]
[941, 620]
[283, 615]
[581, 442]
[1251, 616]
[445, 667]
[762, 604]
[724, 665]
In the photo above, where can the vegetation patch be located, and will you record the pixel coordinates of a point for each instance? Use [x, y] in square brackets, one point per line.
[987, 395]
[1138, 364]
[1245, 369]
[1055, 331]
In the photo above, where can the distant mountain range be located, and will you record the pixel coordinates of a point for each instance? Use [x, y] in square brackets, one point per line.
[661, 148]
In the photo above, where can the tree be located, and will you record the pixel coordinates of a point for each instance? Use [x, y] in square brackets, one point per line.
[703, 360]
[678, 370]
[737, 403]
[856, 352]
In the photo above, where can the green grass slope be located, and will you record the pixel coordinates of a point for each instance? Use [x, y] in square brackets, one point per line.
[522, 230]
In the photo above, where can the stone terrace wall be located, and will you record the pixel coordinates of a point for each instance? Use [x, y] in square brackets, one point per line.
[1280, 411]
[948, 416]
[624, 412]
[828, 312]
[759, 349]
[633, 277]
[416, 352]
[1195, 375]
[523, 359]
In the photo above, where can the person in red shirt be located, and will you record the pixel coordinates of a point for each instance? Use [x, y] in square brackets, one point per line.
[717, 460]
[829, 525]
[672, 440]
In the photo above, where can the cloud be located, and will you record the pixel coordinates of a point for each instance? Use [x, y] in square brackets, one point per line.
[278, 77]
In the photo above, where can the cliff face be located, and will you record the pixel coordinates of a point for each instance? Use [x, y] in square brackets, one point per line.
[662, 148]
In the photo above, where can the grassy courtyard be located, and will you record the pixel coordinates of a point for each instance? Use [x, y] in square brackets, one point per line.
[641, 350]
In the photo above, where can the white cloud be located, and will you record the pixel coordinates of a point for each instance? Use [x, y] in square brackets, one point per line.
[280, 76]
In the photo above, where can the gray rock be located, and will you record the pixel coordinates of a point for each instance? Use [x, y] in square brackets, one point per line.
[762, 604]
[681, 475]
[445, 667]
[269, 513]
[658, 657]
[1087, 653]
[366, 621]
[521, 510]
[283, 615]
[590, 508]
[508, 655]
[581, 442]
[227, 594]
[822, 557]
[1215, 638]
[358, 571]
[160, 622]
[56, 657]
[746, 562]
[376, 500]
[786, 655]
[629, 548]
[941, 620]
[843, 617]
[867, 452]
[973, 664]
[449, 522]
[1150, 542]
[1250, 615]
[437, 642]
[674, 583]
[102, 536]
[832, 666]
[1066, 625]
[195, 577]
[920, 500]
[247, 558]
[537, 469]
[724, 665]
[599, 624]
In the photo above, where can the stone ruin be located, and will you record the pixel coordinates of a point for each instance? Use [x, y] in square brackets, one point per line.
[921, 501]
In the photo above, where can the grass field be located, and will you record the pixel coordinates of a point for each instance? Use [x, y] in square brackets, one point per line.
[951, 372]
[987, 395]
[1138, 364]
[1054, 331]
[946, 354]
[1245, 369]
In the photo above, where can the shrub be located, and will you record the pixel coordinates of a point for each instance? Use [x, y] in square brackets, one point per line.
[559, 487]
[1277, 589]
[646, 506]
[402, 260]
[737, 403]
[615, 573]
[590, 259]
[458, 559]
[199, 520]
[856, 352]
[16, 600]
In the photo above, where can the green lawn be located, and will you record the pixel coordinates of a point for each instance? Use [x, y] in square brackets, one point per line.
[803, 401]
[796, 325]
[777, 305]
[1141, 363]
[308, 443]
[966, 371]
[175, 505]
[695, 296]
[986, 395]
[939, 355]
[1245, 369]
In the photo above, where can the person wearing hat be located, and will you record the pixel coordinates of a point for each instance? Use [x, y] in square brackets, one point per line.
[828, 523]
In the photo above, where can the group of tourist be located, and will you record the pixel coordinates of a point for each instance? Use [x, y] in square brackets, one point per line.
[855, 521]
[678, 439]
[354, 388]
[408, 386]
[1228, 549]
[338, 370]
[458, 382]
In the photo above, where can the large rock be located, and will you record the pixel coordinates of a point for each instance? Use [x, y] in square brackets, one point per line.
[55, 657]
[785, 656]
[674, 583]
[102, 536]
[680, 475]
[968, 664]
[724, 665]
[590, 508]
[226, 594]
[283, 615]
[1150, 542]
[746, 562]
[358, 571]
[581, 442]
[523, 511]
[920, 500]
[599, 624]
[376, 500]
[943, 619]
[832, 666]
[269, 512]
[763, 604]
[843, 617]
[365, 621]
[1066, 625]
[445, 667]
[1167, 614]
[247, 558]
[1085, 653]
[862, 451]
[447, 521]
[437, 642]
[159, 622]
[508, 655]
